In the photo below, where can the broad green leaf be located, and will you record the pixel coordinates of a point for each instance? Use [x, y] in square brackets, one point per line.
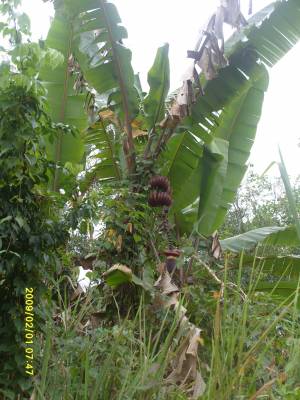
[232, 102]
[276, 35]
[105, 163]
[118, 275]
[159, 82]
[65, 105]
[275, 265]
[215, 165]
[202, 212]
[273, 236]
[238, 125]
[181, 163]
[281, 290]
[105, 61]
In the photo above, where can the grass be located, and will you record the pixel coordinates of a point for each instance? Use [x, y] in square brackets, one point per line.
[247, 347]
[252, 354]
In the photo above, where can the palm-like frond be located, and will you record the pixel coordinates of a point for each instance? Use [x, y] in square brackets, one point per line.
[104, 162]
[230, 110]
[273, 236]
[106, 62]
[65, 104]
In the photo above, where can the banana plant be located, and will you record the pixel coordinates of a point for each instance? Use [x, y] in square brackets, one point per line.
[230, 111]
[202, 138]
[89, 37]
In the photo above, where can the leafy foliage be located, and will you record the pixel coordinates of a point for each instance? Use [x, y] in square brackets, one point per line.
[29, 235]
[216, 114]
[274, 235]
[104, 121]
[159, 83]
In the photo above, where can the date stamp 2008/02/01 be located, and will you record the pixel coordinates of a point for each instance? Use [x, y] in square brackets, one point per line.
[29, 331]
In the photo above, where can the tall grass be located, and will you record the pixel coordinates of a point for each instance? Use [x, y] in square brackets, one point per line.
[246, 361]
[124, 361]
[253, 353]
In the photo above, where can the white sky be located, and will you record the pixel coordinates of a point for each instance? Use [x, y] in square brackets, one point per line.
[152, 23]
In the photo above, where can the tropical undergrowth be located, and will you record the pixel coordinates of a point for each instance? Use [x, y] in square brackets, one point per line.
[96, 174]
[30, 231]
[248, 343]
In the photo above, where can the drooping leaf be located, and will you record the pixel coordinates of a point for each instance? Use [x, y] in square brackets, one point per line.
[118, 275]
[65, 104]
[272, 32]
[159, 82]
[235, 134]
[214, 174]
[238, 125]
[273, 236]
[204, 208]
[234, 98]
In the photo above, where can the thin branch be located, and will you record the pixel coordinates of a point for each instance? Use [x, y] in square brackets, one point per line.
[264, 388]
[155, 251]
[230, 285]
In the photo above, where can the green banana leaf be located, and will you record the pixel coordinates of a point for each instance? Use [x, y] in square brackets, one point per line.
[232, 103]
[235, 135]
[65, 105]
[105, 61]
[272, 32]
[159, 82]
[283, 290]
[91, 32]
[275, 265]
[273, 236]
[213, 173]
[104, 161]
[238, 125]
[184, 153]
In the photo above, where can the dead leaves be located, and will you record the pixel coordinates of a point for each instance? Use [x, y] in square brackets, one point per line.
[117, 240]
[208, 55]
[137, 125]
[165, 285]
[85, 262]
[184, 371]
[185, 365]
[209, 51]
[216, 249]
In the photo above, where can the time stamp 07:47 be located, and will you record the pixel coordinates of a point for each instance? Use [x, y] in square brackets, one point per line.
[29, 331]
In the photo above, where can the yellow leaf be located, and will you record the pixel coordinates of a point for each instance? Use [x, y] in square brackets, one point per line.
[129, 227]
[138, 132]
[119, 243]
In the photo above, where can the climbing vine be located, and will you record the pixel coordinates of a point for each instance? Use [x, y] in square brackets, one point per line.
[30, 229]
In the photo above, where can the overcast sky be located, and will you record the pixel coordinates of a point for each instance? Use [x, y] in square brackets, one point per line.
[152, 23]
